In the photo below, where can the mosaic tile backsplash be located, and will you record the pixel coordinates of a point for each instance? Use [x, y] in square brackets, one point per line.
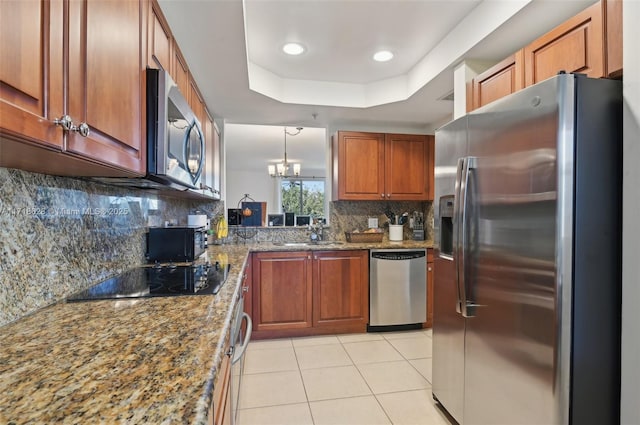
[60, 235]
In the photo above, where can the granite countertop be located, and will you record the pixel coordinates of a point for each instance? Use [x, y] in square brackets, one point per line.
[147, 360]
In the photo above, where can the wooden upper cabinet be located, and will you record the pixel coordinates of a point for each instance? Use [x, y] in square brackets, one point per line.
[577, 45]
[180, 73]
[341, 288]
[358, 166]
[408, 167]
[31, 66]
[376, 166]
[159, 39]
[281, 290]
[105, 88]
[212, 161]
[500, 80]
[613, 33]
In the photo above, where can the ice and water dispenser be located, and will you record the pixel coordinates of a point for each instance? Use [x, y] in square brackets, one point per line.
[446, 226]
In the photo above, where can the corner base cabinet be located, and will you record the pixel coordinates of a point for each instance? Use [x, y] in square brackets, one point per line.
[309, 293]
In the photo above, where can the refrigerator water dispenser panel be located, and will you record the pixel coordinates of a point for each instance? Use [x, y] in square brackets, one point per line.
[446, 226]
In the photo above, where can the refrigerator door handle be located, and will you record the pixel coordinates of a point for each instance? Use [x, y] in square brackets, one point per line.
[467, 306]
[457, 216]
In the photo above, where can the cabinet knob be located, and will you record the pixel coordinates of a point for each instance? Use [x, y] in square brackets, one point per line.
[388, 195]
[245, 289]
[83, 129]
[65, 122]
[382, 195]
[429, 268]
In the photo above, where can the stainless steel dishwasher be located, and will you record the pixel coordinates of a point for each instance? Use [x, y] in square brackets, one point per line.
[397, 289]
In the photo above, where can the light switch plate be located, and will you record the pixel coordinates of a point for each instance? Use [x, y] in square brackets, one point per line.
[373, 223]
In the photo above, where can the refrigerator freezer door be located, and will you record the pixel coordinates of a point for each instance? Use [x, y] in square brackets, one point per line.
[510, 260]
[448, 324]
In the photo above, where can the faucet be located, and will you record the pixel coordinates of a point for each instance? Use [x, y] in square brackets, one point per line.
[316, 231]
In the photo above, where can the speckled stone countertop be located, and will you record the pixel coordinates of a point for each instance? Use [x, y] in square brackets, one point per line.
[148, 360]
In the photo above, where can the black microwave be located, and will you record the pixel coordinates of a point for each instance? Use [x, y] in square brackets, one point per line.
[176, 244]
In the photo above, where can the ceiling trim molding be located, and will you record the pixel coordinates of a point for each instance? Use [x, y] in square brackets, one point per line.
[484, 19]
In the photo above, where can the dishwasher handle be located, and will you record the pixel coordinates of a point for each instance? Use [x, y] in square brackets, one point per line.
[239, 352]
[402, 255]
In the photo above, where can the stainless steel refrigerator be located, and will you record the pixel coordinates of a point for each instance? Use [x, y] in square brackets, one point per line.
[527, 257]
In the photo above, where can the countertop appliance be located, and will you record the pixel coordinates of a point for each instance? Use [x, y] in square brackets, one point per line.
[176, 148]
[177, 244]
[397, 289]
[527, 257]
[158, 281]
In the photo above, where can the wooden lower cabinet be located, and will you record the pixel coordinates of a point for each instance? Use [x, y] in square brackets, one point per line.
[430, 276]
[220, 411]
[340, 289]
[309, 293]
[281, 291]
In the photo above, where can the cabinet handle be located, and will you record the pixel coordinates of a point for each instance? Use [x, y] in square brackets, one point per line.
[245, 289]
[65, 122]
[83, 129]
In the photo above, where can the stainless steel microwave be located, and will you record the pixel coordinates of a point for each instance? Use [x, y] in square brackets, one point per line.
[176, 146]
[175, 142]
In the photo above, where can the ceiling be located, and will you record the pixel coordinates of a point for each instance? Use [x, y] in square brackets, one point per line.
[233, 51]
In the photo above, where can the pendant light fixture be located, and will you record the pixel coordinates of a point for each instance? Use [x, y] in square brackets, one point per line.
[281, 169]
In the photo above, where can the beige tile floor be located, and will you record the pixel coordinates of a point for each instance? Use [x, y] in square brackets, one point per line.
[373, 378]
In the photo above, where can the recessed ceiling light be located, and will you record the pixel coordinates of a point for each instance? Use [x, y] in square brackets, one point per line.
[293, 48]
[383, 56]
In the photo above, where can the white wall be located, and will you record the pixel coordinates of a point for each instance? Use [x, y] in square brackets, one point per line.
[630, 404]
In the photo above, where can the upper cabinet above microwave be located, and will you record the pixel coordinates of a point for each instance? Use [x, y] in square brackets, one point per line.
[74, 105]
[387, 167]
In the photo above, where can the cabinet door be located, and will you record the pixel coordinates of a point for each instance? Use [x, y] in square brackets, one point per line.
[159, 39]
[220, 412]
[429, 295]
[180, 73]
[31, 66]
[340, 289]
[281, 290]
[500, 80]
[407, 158]
[212, 163]
[105, 84]
[358, 166]
[574, 46]
[430, 276]
[614, 37]
[247, 283]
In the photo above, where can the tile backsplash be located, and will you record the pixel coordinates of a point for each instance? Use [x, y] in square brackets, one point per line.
[59, 235]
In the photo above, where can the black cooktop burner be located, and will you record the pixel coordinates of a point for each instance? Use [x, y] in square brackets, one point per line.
[165, 281]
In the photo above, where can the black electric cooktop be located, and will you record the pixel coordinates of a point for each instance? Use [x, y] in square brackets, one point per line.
[158, 281]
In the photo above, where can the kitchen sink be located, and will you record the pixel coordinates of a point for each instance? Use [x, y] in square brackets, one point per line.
[308, 243]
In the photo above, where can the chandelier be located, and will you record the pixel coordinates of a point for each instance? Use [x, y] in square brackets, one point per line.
[281, 169]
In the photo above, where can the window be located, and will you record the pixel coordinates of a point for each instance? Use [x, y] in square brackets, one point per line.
[303, 197]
